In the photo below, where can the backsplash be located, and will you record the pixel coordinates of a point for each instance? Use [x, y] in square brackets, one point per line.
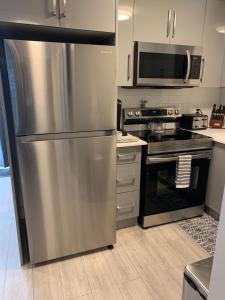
[222, 96]
[187, 99]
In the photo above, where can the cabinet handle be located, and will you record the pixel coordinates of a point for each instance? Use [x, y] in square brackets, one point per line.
[125, 208]
[128, 67]
[168, 22]
[125, 157]
[125, 181]
[54, 8]
[203, 66]
[174, 23]
[64, 8]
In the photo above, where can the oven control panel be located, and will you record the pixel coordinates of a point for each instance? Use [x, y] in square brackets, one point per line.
[151, 113]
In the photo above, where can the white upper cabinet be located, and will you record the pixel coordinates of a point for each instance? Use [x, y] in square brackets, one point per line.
[223, 71]
[213, 44]
[169, 21]
[125, 43]
[97, 15]
[37, 12]
[187, 22]
[94, 15]
[152, 20]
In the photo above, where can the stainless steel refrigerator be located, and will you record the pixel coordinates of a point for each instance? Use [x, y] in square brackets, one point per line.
[63, 99]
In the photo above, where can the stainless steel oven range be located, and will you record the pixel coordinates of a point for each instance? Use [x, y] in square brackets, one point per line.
[162, 201]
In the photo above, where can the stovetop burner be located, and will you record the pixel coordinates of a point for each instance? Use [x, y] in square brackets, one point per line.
[140, 122]
[177, 135]
[174, 141]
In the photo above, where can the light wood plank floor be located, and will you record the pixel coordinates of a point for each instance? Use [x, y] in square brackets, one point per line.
[144, 264]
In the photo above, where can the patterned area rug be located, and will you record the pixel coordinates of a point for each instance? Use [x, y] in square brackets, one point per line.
[203, 230]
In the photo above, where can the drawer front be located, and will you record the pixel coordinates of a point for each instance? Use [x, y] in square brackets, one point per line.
[128, 177]
[128, 155]
[127, 205]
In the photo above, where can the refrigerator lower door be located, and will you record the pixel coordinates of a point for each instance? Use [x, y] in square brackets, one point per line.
[3, 148]
[68, 188]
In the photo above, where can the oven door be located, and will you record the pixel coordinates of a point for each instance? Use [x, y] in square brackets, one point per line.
[159, 192]
[167, 65]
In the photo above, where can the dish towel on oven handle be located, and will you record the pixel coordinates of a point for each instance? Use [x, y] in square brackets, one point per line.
[183, 171]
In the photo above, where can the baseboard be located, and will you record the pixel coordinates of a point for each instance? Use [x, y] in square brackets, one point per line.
[126, 223]
[212, 213]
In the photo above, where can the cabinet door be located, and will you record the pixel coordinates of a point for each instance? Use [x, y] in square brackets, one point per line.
[98, 15]
[188, 22]
[125, 43]
[36, 12]
[213, 44]
[151, 20]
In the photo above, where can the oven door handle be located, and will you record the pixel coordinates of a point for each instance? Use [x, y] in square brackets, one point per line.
[188, 66]
[157, 160]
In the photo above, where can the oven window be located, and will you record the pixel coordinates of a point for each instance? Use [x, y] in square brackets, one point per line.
[162, 65]
[159, 187]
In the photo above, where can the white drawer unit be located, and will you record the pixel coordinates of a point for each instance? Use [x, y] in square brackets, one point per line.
[128, 155]
[128, 178]
[127, 205]
[128, 185]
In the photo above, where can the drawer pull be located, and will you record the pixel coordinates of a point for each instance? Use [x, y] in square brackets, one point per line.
[126, 157]
[125, 208]
[125, 181]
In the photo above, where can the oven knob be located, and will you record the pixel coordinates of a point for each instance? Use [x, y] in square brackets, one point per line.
[170, 112]
[130, 114]
[177, 112]
[137, 113]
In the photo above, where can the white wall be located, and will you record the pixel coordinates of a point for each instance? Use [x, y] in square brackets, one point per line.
[187, 99]
[217, 283]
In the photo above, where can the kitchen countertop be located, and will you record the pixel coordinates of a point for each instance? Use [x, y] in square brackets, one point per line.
[134, 142]
[218, 135]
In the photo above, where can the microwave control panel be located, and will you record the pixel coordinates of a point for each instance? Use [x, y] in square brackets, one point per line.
[196, 62]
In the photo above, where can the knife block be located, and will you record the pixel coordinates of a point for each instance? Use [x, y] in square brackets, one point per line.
[215, 123]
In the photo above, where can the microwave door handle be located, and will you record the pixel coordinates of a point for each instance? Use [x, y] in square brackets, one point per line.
[188, 66]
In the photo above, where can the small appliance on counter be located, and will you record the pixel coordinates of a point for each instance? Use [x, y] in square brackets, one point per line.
[197, 279]
[195, 121]
[217, 117]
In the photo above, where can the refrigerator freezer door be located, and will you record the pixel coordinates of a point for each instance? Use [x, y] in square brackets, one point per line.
[35, 71]
[91, 86]
[68, 189]
[59, 87]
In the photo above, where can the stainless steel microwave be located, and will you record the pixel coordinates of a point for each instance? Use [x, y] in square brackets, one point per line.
[167, 65]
